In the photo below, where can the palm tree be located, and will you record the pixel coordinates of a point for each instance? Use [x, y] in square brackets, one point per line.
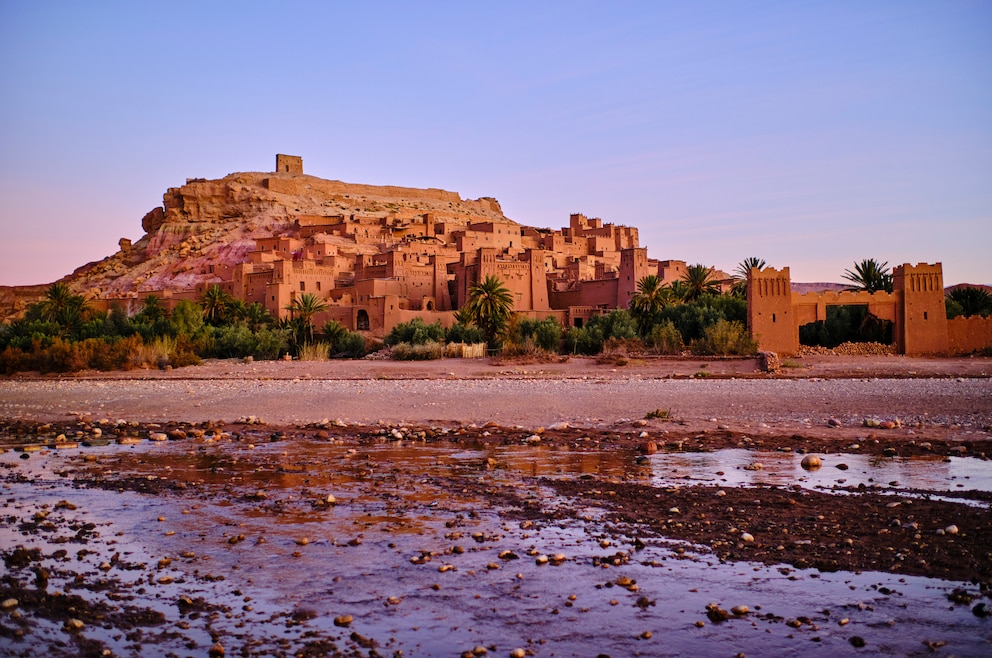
[215, 301]
[152, 310]
[257, 316]
[739, 289]
[332, 332]
[870, 276]
[647, 303]
[237, 310]
[490, 305]
[679, 291]
[699, 281]
[973, 301]
[303, 308]
[63, 307]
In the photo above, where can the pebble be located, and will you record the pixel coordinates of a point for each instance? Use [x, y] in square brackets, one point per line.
[74, 624]
[747, 537]
[216, 651]
[343, 620]
[158, 436]
[518, 653]
[811, 462]
[715, 613]
[951, 530]
[8, 604]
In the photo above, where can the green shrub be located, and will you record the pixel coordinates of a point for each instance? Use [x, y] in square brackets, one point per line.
[666, 339]
[350, 345]
[270, 343]
[415, 332]
[725, 338]
[464, 333]
[332, 331]
[547, 335]
[423, 352]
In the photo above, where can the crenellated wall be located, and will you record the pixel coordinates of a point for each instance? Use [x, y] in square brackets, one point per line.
[915, 306]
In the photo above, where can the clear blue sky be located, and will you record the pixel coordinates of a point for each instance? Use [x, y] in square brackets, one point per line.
[811, 134]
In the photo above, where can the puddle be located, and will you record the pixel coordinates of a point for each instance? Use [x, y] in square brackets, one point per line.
[394, 505]
[735, 467]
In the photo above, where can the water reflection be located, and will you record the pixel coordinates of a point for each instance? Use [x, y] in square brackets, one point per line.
[736, 467]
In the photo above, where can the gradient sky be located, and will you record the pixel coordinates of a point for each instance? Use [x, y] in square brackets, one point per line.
[810, 134]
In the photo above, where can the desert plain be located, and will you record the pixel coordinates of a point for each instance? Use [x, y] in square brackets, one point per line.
[469, 507]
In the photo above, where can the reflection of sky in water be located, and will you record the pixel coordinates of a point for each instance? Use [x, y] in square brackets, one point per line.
[394, 498]
[784, 468]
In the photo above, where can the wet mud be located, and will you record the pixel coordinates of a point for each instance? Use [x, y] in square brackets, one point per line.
[648, 538]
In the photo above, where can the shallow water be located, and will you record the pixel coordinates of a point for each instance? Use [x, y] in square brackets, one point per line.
[736, 467]
[393, 505]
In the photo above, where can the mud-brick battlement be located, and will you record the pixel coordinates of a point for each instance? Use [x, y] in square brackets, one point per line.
[915, 306]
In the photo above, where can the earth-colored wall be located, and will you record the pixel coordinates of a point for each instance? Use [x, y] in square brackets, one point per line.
[915, 306]
[968, 335]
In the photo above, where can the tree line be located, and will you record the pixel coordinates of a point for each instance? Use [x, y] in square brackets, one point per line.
[63, 333]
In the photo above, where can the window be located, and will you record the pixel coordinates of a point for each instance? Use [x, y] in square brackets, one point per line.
[303, 285]
[318, 286]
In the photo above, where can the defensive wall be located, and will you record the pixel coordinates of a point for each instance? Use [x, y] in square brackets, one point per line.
[915, 307]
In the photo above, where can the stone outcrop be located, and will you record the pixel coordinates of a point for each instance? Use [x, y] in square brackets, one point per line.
[205, 226]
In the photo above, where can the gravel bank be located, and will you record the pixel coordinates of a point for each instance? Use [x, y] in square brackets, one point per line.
[965, 403]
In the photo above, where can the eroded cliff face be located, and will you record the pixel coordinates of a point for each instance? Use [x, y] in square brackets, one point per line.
[215, 223]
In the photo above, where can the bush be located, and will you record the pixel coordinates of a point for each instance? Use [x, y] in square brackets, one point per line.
[525, 347]
[725, 338]
[270, 343]
[584, 340]
[547, 335]
[424, 352]
[332, 331]
[666, 339]
[463, 333]
[92, 353]
[350, 345]
[415, 332]
[14, 359]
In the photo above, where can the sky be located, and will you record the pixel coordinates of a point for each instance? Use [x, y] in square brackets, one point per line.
[810, 134]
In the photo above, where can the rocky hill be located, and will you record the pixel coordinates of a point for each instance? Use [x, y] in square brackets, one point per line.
[215, 222]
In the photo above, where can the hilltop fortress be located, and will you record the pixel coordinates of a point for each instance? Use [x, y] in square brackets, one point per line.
[377, 255]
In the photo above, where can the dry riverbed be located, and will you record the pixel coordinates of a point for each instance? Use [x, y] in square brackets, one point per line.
[527, 511]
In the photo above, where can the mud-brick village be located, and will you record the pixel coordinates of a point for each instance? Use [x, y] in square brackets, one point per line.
[519, 330]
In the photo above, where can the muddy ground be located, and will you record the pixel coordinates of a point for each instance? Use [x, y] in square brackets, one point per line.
[133, 524]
